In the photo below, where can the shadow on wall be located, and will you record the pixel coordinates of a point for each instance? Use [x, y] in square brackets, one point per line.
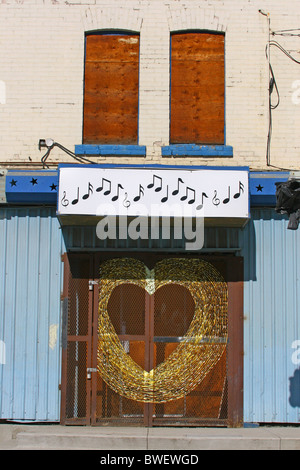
[258, 241]
[294, 399]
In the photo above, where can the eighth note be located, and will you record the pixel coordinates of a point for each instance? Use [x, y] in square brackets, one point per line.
[201, 205]
[176, 191]
[117, 195]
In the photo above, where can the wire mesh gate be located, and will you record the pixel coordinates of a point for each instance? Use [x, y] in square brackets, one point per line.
[148, 325]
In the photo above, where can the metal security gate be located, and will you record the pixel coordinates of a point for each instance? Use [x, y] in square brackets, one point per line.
[132, 347]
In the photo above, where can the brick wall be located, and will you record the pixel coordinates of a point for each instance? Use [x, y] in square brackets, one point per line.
[41, 75]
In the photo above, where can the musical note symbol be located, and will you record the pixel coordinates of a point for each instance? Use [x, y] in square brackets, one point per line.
[126, 202]
[141, 193]
[64, 201]
[165, 198]
[151, 185]
[117, 195]
[227, 199]
[201, 205]
[216, 200]
[90, 191]
[192, 200]
[241, 190]
[176, 191]
[75, 201]
[108, 191]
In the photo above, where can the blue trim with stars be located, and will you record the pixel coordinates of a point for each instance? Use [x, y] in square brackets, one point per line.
[262, 187]
[31, 187]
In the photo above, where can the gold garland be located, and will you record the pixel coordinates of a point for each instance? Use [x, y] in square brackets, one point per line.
[197, 353]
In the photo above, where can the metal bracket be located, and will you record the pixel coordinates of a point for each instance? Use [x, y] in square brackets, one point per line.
[91, 284]
[89, 371]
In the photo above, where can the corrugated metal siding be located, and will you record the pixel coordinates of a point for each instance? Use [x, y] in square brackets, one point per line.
[30, 287]
[31, 244]
[271, 309]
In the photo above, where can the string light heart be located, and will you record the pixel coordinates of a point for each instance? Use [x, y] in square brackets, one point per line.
[198, 351]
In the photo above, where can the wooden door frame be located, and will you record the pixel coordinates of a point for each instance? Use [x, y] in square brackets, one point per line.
[236, 342]
[66, 338]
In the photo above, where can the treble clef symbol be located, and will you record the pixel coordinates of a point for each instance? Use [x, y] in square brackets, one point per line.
[126, 202]
[64, 201]
[216, 200]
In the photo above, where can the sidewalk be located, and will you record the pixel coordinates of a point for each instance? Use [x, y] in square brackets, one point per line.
[56, 437]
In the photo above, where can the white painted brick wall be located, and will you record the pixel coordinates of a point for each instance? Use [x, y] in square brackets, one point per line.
[41, 74]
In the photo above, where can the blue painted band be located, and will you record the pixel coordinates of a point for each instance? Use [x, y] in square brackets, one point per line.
[197, 150]
[152, 165]
[103, 150]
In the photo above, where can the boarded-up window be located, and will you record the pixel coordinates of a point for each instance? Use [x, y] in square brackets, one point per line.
[111, 89]
[197, 88]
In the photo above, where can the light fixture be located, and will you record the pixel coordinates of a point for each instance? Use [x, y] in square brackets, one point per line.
[46, 143]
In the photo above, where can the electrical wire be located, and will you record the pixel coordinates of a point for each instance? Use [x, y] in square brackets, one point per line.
[72, 154]
[272, 85]
[286, 32]
[69, 152]
[279, 46]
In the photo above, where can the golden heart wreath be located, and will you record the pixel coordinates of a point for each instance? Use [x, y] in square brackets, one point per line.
[194, 357]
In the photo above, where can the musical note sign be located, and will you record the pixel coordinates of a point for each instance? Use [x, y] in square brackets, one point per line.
[131, 191]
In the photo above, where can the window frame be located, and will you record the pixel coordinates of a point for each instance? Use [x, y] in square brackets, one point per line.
[102, 147]
[191, 148]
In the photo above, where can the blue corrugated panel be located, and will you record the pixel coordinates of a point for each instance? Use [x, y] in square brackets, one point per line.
[30, 287]
[271, 326]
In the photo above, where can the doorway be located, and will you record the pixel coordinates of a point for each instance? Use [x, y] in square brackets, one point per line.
[152, 340]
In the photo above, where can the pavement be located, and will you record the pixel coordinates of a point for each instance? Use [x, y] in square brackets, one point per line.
[56, 437]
